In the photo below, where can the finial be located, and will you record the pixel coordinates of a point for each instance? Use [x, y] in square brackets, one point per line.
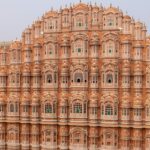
[110, 5]
[51, 8]
[66, 6]
[80, 1]
[101, 5]
[95, 4]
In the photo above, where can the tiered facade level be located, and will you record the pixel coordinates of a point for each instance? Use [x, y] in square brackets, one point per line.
[78, 80]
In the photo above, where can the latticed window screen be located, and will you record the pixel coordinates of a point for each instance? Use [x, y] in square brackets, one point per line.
[77, 108]
[48, 108]
[108, 110]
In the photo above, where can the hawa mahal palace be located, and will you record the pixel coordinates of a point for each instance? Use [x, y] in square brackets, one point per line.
[79, 79]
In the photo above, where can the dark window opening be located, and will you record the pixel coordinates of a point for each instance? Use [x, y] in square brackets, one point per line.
[49, 79]
[109, 78]
[78, 80]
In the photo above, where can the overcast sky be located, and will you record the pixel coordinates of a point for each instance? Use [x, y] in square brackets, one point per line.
[16, 15]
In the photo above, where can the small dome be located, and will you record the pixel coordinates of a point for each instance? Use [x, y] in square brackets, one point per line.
[147, 102]
[3, 71]
[37, 45]
[137, 101]
[64, 95]
[138, 25]
[94, 68]
[137, 69]
[64, 68]
[95, 37]
[15, 45]
[26, 69]
[81, 6]
[27, 30]
[35, 97]
[127, 17]
[93, 98]
[36, 69]
[26, 96]
[125, 100]
[126, 68]
[2, 97]
[50, 13]
[111, 9]
[13, 97]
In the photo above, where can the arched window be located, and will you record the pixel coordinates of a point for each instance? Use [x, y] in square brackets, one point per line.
[12, 78]
[65, 19]
[110, 48]
[109, 78]
[137, 34]
[12, 108]
[94, 17]
[11, 136]
[48, 108]
[15, 78]
[14, 55]
[50, 24]
[79, 21]
[49, 136]
[110, 21]
[108, 110]
[77, 108]
[109, 138]
[49, 50]
[78, 77]
[3, 58]
[78, 46]
[78, 138]
[27, 38]
[49, 78]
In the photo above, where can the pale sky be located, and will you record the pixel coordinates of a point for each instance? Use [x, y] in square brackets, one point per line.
[16, 15]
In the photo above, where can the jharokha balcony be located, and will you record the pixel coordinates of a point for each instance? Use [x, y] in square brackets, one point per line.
[78, 79]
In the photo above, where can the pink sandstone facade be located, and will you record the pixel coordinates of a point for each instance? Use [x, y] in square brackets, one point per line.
[79, 79]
